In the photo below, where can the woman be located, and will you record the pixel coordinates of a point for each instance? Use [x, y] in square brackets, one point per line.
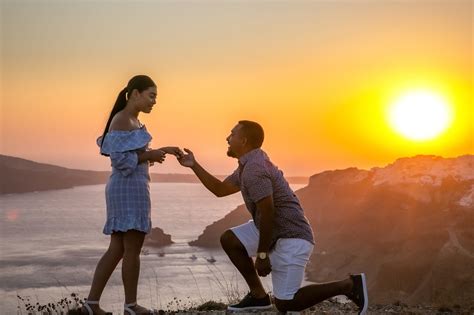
[125, 140]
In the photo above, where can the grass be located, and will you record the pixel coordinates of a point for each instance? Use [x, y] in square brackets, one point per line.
[229, 288]
[65, 306]
[72, 304]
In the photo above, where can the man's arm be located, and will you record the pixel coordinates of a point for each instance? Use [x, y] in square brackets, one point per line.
[214, 185]
[267, 214]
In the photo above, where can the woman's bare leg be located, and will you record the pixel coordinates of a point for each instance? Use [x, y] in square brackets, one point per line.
[132, 242]
[105, 267]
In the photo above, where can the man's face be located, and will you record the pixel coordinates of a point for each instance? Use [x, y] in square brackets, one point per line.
[236, 142]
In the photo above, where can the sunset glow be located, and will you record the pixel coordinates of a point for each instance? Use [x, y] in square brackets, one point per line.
[420, 115]
[335, 84]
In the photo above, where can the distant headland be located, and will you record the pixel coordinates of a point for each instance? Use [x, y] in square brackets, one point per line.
[20, 176]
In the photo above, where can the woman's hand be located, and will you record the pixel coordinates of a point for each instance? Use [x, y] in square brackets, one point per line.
[188, 159]
[156, 155]
[173, 150]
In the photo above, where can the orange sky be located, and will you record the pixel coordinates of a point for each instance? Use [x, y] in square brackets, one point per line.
[317, 75]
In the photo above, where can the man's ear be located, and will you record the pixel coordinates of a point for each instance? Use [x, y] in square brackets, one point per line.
[244, 141]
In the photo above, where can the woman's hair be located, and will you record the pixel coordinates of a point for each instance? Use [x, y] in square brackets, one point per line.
[138, 82]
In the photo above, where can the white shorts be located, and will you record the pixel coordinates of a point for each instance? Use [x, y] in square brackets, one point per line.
[288, 258]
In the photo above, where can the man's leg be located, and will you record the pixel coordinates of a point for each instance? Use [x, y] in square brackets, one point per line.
[355, 288]
[314, 294]
[241, 260]
[289, 261]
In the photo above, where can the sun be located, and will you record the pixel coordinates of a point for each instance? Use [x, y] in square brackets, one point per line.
[420, 115]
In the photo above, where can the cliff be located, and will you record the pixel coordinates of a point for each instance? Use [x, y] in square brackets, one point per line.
[408, 225]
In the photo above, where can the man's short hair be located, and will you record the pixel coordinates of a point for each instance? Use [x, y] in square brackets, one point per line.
[253, 132]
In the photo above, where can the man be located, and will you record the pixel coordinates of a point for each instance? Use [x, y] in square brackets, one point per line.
[279, 236]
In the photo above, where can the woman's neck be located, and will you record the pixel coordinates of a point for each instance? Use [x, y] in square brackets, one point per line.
[131, 111]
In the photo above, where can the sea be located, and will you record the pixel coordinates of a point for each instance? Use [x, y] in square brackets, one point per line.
[51, 242]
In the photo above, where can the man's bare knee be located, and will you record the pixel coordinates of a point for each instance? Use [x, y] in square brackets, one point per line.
[229, 240]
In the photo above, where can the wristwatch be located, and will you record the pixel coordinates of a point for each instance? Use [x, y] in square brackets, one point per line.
[262, 255]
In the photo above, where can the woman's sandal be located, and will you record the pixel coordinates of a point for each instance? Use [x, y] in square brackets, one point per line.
[126, 308]
[87, 310]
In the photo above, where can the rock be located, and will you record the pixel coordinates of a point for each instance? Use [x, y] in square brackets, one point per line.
[211, 235]
[157, 238]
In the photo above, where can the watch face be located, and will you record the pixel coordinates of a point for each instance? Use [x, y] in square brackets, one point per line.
[262, 255]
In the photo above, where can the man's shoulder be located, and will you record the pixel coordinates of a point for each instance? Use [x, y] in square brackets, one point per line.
[256, 170]
[255, 165]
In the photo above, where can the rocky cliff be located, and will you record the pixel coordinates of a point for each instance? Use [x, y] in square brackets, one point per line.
[409, 226]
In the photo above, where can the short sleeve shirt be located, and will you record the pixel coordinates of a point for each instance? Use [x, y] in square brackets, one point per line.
[257, 177]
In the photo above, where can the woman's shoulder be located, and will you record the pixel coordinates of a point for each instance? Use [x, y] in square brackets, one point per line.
[123, 140]
[123, 135]
[121, 122]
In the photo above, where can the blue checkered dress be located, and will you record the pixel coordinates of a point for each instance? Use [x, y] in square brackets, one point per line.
[127, 192]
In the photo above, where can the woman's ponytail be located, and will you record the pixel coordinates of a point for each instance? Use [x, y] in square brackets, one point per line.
[120, 104]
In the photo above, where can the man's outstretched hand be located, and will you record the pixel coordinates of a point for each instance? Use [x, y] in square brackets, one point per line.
[187, 159]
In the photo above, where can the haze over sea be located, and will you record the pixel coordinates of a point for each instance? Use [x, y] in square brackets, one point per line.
[52, 241]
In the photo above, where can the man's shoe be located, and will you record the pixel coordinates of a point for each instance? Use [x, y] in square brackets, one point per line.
[251, 303]
[359, 295]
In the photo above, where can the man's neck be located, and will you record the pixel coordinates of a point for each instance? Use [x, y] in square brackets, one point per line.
[246, 152]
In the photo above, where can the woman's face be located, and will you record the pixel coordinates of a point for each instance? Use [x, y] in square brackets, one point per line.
[147, 99]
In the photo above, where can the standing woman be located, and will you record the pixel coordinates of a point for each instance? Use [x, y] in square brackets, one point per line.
[125, 140]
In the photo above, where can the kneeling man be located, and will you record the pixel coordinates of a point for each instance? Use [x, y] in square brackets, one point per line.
[279, 236]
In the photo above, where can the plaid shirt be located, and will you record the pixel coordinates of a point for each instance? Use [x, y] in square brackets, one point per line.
[258, 178]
